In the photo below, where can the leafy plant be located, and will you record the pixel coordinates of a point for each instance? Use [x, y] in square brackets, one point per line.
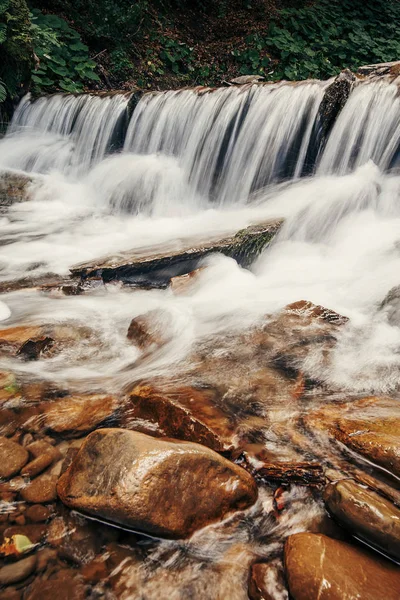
[318, 41]
[64, 61]
[15, 47]
[177, 56]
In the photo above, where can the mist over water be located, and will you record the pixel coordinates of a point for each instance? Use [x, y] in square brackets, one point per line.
[197, 164]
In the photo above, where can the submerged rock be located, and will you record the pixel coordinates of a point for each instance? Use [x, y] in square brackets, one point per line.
[12, 458]
[391, 306]
[181, 412]
[164, 488]
[150, 330]
[17, 571]
[14, 187]
[321, 568]
[366, 514]
[370, 427]
[266, 582]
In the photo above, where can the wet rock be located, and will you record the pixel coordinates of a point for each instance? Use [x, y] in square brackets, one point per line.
[95, 571]
[266, 582]
[185, 283]
[165, 488]
[380, 69]
[150, 330]
[45, 557]
[74, 415]
[320, 568]
[391, 306]
[14, 187]
[18, 571]
[366, 514]
[370, 427]
[184, 413]
[34, 341]
[38, 513]
[40, 490]
[12, 458]
[245, 79]
[33, 349]
[66, 584]
[8, 425]
[36, 466]
[157, 266]
[79, 543]
[334, 99]
[301, 330]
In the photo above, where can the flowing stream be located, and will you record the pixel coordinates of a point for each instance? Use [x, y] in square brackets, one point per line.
[116, 172]
[207, 162]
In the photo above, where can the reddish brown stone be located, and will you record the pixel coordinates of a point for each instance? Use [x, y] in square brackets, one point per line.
[36, 466]
[320, 568]
[18, 571]
[12, 458]
[38, 513]
[184, 413]
[150, 330]
[66, 584]
[40, 490]
[76, 415]
[166, 488]
[366, 514]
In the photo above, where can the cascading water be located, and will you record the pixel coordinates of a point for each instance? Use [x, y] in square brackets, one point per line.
[192, 163]
[231, 142]
[368, 129]
[63, 132]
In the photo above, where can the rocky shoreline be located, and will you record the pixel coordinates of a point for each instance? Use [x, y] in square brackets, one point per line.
[297, 486]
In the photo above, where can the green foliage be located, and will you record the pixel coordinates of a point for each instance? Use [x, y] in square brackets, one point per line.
[103, 23]
[319, 40]
[176, 56]
[15, 47]
[64, 61]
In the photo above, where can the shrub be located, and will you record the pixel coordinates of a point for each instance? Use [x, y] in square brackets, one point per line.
[319, 40]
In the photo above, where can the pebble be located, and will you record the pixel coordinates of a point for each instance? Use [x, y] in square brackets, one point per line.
[40, 490]
[17, 571]
[37, 465]
[38, 513]
[12, 458]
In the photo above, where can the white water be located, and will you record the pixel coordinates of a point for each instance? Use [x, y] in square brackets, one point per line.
[193, 167]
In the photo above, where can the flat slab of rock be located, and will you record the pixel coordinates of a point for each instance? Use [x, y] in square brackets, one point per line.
[164, 488]
[162, 263]
[320, 568]
[366, 514]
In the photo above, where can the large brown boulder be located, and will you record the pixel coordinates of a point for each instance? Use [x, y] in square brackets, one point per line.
[321, 568]
[365, 514]
[165, 488]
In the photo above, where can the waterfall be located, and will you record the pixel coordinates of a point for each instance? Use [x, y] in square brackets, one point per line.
[193, 149]
[231, 142]
[66, 132]
[367, 129]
